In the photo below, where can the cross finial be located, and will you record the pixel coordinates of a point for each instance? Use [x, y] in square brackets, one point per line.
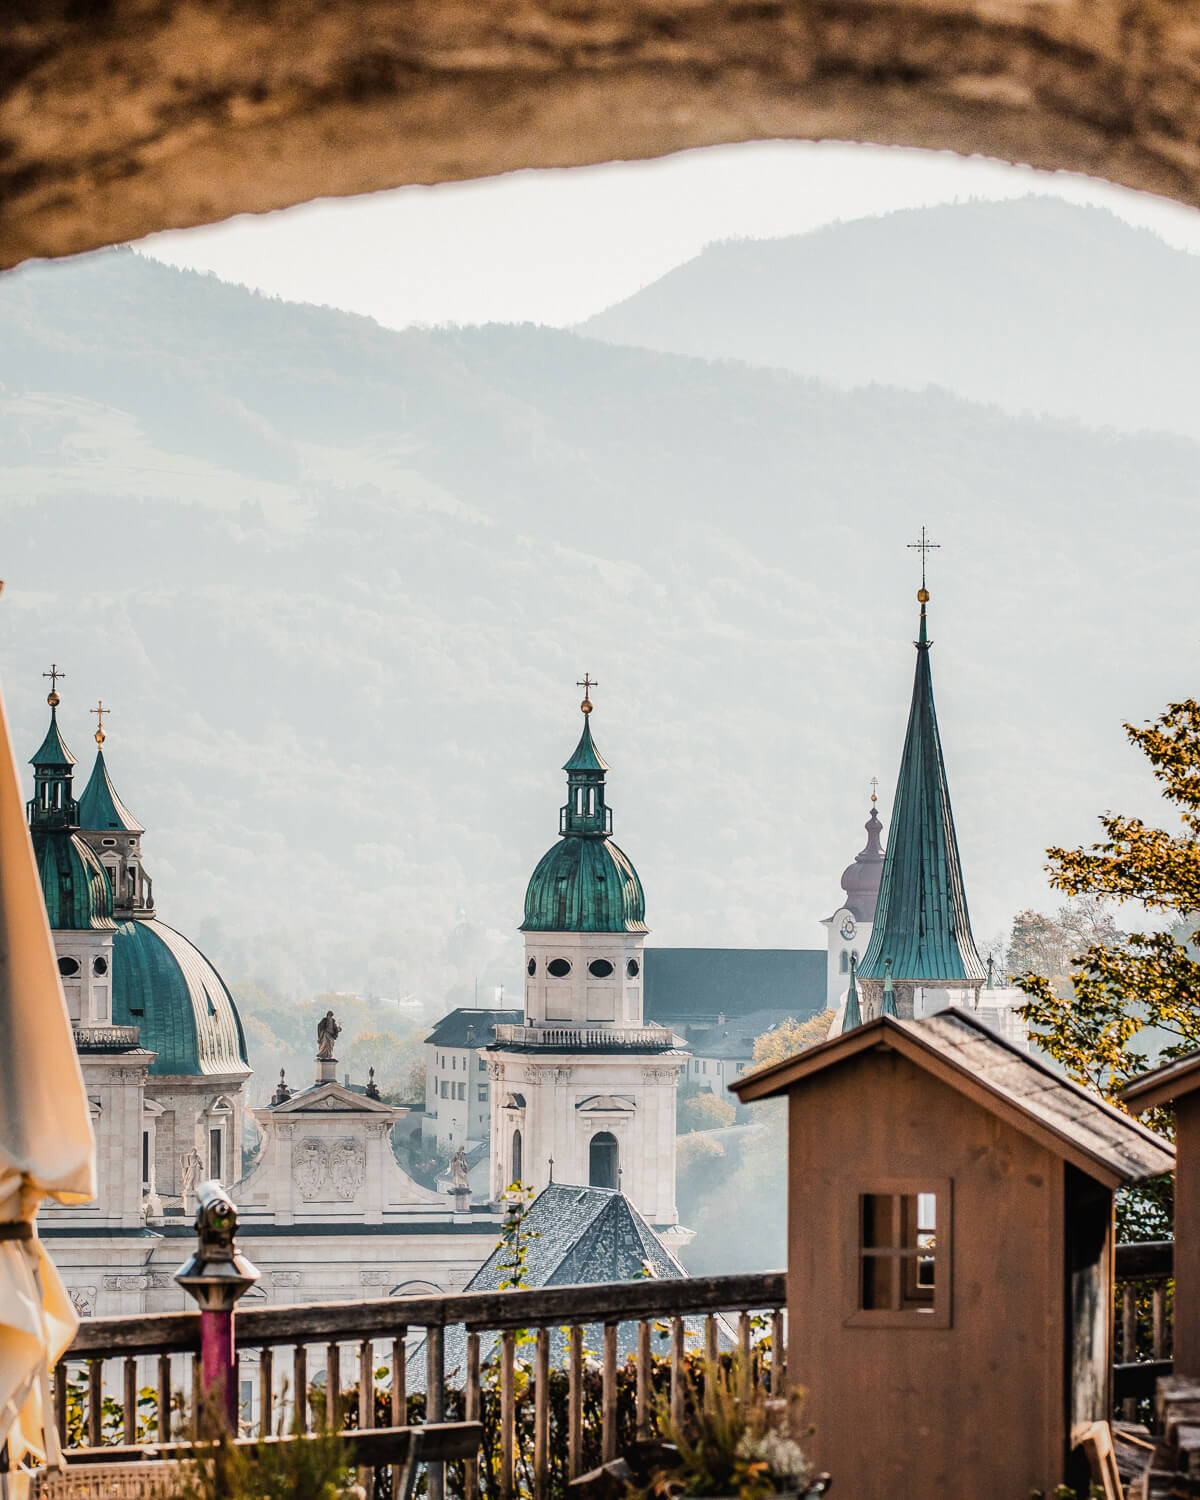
[874, 790]
[924, 547]
[587, 684]
[100, 711]
[53, 674]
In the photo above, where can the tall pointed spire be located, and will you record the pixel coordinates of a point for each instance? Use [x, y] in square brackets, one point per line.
[53, 804]
[921, 920]
[852, 1016]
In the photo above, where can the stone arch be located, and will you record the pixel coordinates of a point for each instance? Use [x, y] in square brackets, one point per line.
[131, 120]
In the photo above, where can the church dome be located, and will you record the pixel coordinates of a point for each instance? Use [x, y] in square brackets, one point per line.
[860, 880]
[76, 889]
[584, 885]
[166, 987]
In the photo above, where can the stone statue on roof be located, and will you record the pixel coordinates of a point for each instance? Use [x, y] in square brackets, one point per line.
[328, 1032]
[458, 1170]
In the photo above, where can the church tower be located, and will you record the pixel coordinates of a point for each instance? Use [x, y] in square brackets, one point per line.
[583, 1091]
[849, 928]
[922, 930]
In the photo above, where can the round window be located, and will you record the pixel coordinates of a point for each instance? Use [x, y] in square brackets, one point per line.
[68, 966]
[632, 969]
[531, 967]
[559, 967]
[600, 968]
[100, 966]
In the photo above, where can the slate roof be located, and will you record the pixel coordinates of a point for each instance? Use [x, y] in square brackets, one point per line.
[100, 808]
[469, 1027]
[921, 919]
[1075, 1124]
[694, 986]
[578, 1236]
[734, 1039]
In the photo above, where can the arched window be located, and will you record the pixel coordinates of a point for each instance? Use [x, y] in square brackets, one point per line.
[602, 1160]
[845, 962]
[517, 1164]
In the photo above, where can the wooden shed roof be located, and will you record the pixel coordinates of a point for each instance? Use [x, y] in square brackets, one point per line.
[965, 1054]
[1162, 1085]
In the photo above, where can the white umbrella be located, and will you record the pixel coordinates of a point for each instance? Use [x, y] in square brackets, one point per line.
[46, 1145]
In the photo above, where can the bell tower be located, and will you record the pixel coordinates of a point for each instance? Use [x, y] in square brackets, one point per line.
[583, 1091]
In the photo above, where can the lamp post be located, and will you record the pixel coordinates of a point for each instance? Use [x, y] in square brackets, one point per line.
[216, 1275]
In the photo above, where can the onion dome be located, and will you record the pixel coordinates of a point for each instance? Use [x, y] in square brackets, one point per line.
[164, 985]
[921, 920]
[584, 883]
[74, 885]
[860, 880]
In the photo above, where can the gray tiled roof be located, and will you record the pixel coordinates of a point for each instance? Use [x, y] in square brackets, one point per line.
[1105, 1133]
[467, 1027]
[735, 1038]
[698, 984]
[578, 1236]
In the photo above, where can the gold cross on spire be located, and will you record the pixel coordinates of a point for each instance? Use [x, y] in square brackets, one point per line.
[874, 789]
[53, 674]
[924, 547]
[100, 711]
[587, 685]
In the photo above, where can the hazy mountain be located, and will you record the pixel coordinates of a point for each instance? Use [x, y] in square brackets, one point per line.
[337, 585]
[1035, 304]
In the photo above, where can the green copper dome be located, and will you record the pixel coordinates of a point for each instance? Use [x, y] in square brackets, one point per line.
[74, 885]
[585, 883]
[165, 986]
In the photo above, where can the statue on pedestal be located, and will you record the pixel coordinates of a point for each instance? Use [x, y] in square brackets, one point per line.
[458, 1171]
[328, 1032]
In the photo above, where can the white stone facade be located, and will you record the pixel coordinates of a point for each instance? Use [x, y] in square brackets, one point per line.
[584, 1081]
[846, 937]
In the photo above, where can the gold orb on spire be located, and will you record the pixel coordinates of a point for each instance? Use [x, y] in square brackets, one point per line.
[923, 596]
[53, 674]
[587, 684]
[99, 711]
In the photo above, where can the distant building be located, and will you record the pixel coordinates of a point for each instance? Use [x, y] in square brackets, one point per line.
[721, 1054]
[458, 1095]
[702, 987]
[849, 928]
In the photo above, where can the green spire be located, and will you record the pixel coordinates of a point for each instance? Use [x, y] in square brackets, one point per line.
[852, 1015]
[585, 813]
[921, 919]
[888, 1005]
[100, 808]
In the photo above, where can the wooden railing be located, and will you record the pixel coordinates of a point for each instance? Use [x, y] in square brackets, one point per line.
[566, 1330]
[1143, 1341]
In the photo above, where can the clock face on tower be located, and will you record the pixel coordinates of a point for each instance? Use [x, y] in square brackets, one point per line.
[849, 927]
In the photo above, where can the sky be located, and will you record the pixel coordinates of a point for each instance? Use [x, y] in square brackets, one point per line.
[555, 246]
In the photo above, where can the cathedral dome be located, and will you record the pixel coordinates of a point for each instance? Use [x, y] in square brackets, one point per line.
[584, 885]
[166, 987]
[76, 889]
[860, 880]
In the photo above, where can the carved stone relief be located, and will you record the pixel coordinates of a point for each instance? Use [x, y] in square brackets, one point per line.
[347, 1166]
[310, 1165]
[83, 1300]
[376, 1278]
[285, 1278]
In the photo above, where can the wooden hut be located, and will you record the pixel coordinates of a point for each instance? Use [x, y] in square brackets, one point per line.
[1178, 1083]
[950, 1233]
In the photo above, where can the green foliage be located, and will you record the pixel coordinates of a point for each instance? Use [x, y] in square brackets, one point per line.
[701, 1109]
[112, 1416]
[790, 1037]
[515, 1236]
[1121, 988]
[730, 1440]
[308, 1466]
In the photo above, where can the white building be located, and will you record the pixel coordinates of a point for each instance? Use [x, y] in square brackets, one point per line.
[458, 1093]
[327, 1211]
[583, 1090]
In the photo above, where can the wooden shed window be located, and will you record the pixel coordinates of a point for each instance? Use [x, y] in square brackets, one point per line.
[901, 1254]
